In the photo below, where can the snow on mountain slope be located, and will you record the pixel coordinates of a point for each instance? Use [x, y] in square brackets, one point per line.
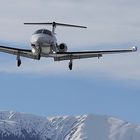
[20, 126]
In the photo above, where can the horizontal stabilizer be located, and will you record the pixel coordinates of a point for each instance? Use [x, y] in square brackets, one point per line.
[54, 24]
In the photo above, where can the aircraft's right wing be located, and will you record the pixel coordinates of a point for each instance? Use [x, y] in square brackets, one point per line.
[18, 52]
[60, 56]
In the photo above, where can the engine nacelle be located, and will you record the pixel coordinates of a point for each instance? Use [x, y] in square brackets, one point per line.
[62, 47]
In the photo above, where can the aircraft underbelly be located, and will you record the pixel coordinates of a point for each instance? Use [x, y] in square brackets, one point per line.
[46, 48]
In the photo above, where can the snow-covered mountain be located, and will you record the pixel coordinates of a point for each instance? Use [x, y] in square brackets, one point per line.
[20, 126]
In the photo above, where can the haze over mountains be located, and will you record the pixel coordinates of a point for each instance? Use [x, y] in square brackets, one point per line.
[20, 126]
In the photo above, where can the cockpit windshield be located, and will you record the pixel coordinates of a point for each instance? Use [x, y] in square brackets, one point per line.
[43, 31]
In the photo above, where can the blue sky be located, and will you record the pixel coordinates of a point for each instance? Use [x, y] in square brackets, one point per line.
[68, 95]
[109, 86]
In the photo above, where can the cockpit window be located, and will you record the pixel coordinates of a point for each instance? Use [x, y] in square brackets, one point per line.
[38, 31]
[43, 31]
[47, 32]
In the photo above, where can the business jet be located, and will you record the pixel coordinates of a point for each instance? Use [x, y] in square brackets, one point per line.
[44, 44]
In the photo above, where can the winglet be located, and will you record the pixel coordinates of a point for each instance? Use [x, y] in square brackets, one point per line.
[134, 48]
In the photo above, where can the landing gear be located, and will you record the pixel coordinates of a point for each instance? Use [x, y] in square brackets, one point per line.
[70, 65]
[18, 61]
[38, 56]
[38, 50]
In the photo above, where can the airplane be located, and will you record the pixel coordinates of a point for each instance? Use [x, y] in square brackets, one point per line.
[44, 44]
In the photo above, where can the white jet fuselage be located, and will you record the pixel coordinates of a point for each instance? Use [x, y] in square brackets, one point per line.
[43, 41]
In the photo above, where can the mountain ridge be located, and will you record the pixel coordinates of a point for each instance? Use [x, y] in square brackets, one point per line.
[21, 126]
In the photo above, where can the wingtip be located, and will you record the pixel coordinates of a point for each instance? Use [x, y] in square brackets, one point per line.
[134, 48]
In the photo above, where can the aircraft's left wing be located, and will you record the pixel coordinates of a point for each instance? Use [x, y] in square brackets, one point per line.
[60, 56]
[17, 52]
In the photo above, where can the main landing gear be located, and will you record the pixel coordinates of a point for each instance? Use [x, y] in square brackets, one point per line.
[70, 65]
[18, 61]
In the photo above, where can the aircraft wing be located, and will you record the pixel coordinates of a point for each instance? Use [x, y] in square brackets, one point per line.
[17, 52]
[60, 56]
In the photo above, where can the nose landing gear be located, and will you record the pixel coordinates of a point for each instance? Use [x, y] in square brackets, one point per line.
[38, 49]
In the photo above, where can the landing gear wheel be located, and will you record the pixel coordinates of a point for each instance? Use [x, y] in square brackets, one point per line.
[38, 52]
[39, 56]
[70, 65]
[18, 62]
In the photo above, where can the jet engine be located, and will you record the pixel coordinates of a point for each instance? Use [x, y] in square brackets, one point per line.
[62, 47]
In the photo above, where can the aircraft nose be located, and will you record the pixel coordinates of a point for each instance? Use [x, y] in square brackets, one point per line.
[36, 39]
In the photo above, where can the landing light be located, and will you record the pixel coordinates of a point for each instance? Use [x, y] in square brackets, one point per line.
[33, 51]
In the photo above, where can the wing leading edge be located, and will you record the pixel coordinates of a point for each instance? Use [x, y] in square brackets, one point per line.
[18, 52]
[60, 56]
